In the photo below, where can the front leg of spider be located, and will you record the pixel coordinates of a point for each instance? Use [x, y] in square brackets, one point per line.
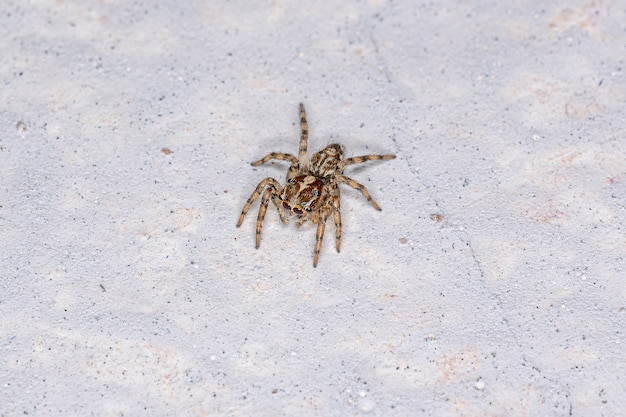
[319, 234]
[337, 218]
[312, 188]
[271, 183]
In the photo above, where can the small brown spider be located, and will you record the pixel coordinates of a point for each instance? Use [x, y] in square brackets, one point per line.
[312, 189]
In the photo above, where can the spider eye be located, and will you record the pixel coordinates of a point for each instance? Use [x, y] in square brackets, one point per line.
[291, 181]
[286, 205]
[298, 211]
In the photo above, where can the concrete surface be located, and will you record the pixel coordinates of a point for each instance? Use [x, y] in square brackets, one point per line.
[491, 284]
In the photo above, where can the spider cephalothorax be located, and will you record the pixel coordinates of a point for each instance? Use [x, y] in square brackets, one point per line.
[312, 188]
[303, 194]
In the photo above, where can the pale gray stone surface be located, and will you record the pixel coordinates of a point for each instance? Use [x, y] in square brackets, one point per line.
[492, 283]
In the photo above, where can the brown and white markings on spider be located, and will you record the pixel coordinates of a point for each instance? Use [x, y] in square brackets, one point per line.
[312, 188]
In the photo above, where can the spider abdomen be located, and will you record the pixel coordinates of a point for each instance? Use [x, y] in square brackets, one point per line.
[324, 163]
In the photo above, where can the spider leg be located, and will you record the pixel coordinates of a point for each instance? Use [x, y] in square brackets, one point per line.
[255, 194]
[276, 202]
[337, 216]
[319, 234]
[262, 209]
[276, 155]
[304, 136]
[361, 159]
[359, 187]
[293, 169]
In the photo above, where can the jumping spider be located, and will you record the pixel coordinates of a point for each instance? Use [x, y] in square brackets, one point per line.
[312, 189]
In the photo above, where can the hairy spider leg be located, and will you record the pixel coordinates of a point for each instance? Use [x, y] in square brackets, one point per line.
[269, 192]
[304, 137]
[361, 159]
[293, 168]
[275, 155]
[256, 193]
[337, 215]
[359, 187]
[319, 234]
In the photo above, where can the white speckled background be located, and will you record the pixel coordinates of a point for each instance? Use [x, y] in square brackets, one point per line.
[491, 284]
